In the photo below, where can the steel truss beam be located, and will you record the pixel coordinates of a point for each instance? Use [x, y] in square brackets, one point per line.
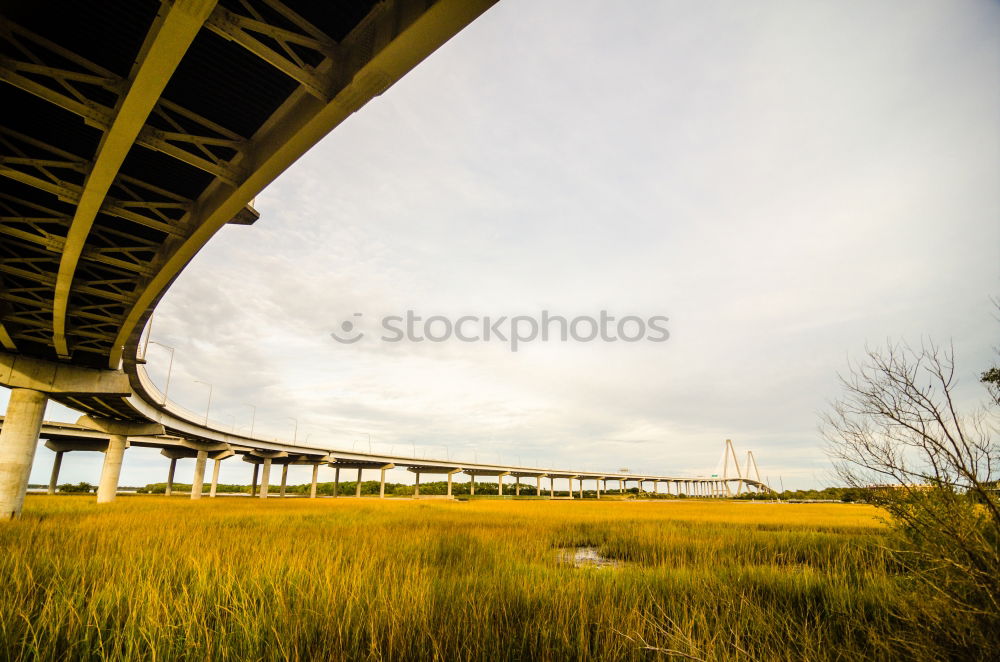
[247, 30]
[42, 178]
[63, 93]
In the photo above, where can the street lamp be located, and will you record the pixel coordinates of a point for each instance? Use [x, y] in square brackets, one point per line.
[208, 407]
[253, 417]
[295, 435]
[170, 367]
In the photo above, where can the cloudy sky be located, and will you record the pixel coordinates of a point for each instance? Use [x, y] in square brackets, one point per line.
[786, 181]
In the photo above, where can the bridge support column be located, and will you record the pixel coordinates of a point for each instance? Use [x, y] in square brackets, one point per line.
[265, 478]
[517, 486]
[569, 482]
[54, 478]
[581, 487]
[284, 479]
[170, 477]
[597, 484]
[357, 485]
[381, 484]
[18, 441]
[253, 485]
[336, 482]
[472, 485]
[499, 484]
[416, 484]
[215, 479]
[538, 486]
[552, 487]
[198, 480]
[107, 488]
[315, 477]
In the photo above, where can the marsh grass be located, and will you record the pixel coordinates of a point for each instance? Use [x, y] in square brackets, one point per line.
[152, 578]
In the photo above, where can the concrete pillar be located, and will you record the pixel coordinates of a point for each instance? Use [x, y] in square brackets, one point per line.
[170, 477]
[472, 485]
[253, 485]
[621, 486]
[449, 482]
[569, 482]
[381, 484]
[597, 484]
[265, 478]
[198, 481]
[517, 486]
[656, 487]
[54, 478]
[215, 479]
[581, 487]
[538, 486]
[357, 485]
[336, 482]
[552, 487]
[499, 484]
[18, 441]
[107, 488]
[284, 479]
[312, 487]
[416, 484]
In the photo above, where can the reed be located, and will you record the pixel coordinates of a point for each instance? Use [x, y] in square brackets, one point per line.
[155, 578]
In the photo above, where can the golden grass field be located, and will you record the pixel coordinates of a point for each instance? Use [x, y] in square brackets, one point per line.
[154, 578]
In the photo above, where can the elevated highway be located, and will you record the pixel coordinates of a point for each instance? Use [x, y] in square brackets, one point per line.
[131, 132]
[83, 436]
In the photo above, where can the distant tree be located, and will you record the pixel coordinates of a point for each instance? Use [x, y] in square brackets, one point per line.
[991, 378]
[897, 434]
[79, 488]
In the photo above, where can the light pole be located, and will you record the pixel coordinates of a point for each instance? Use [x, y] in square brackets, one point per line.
[253, 417]
[149, 333]
[170, 367]
[295, 434]
[208, 407]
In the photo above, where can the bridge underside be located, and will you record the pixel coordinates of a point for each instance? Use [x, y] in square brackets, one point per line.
[133, 130]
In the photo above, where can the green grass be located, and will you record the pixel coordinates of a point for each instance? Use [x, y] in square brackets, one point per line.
[151, 578]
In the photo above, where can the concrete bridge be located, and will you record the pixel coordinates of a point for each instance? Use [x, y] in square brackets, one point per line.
[63, 438]
[132, 131]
